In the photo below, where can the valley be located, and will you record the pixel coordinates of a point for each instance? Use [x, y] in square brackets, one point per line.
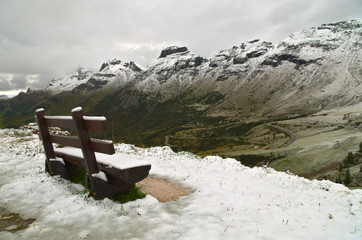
[311, 146]
[294, 106]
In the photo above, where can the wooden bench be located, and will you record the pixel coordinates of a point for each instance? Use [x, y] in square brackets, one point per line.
[107, 175]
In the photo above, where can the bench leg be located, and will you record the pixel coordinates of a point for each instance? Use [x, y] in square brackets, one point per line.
[56, 168]
[106, 189]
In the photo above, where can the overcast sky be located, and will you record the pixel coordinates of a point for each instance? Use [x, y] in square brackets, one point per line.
[45, 39]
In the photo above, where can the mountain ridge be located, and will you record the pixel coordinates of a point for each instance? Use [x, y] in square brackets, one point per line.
[252, 82]
[231, 70]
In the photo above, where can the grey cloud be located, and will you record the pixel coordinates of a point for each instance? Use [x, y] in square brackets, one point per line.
[5, 85]
[52, 38]
[19, 82]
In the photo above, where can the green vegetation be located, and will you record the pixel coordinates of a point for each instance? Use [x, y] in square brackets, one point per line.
[22, 134]
[78, 178]
[132, 194]
[347, 179]
[203, 146]
[252, 160]
[133, 117]
[350, 161]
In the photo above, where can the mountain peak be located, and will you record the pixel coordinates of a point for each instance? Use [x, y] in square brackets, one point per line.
[172, 50]
[110, 63]
[67, 83]
[115, 65]
[342, 25]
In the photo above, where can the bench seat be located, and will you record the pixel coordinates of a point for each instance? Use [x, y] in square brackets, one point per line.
[129, 170]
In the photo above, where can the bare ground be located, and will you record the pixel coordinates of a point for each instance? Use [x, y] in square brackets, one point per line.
[13, 222]
[163, 189]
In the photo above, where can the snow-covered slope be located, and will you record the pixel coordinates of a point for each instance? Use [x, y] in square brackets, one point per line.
[172, 73]
[112, 72]
[71, 81]
[230, 201]
[311, 70]
[314, 69]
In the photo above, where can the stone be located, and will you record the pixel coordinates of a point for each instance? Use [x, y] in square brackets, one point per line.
[172, 50]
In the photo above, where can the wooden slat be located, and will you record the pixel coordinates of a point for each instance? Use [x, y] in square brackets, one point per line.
[69, 141]
[60, 121]
[102, 146]
[70, 157]
[97, 124]
[96, 145]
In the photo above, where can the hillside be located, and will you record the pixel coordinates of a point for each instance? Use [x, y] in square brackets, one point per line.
[229, 200]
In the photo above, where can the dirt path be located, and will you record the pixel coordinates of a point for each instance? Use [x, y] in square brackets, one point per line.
[12, 222]
[162, 189]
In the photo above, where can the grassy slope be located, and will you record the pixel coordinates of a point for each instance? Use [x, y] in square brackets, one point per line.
[191, 130]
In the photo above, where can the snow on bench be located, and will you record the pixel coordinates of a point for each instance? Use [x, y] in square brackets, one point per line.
[108, 160]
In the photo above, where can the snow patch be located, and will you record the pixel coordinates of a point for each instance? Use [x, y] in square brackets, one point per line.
[94, 118]
[115, 160]
[59, 117]
[100, 175]
[57, 160]
[77, 109]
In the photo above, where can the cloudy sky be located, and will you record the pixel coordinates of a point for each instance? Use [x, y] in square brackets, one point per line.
[45, 39]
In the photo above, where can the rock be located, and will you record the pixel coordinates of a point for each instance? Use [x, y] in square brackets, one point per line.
[104, 65]
[133, 66]
[172, 50]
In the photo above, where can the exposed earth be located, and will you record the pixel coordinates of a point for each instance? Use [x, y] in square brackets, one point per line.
[163, 189]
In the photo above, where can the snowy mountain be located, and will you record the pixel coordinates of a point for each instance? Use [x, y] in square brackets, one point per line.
[294, 77]
[229, 201]
[310, 71]
[255, 78]
[69, 82]
[111, 73]
[172, 73]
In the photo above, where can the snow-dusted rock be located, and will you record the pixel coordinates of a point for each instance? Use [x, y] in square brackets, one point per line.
[71, 81]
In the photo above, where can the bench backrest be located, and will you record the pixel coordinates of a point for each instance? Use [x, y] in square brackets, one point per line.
[82, 124]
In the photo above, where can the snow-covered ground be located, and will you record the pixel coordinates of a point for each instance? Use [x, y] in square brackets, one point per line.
[230, 201]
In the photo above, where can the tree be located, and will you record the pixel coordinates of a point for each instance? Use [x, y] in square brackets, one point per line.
[350, 158]
[347, 179]
[340, 167]
[345, 163]
[338, 179]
